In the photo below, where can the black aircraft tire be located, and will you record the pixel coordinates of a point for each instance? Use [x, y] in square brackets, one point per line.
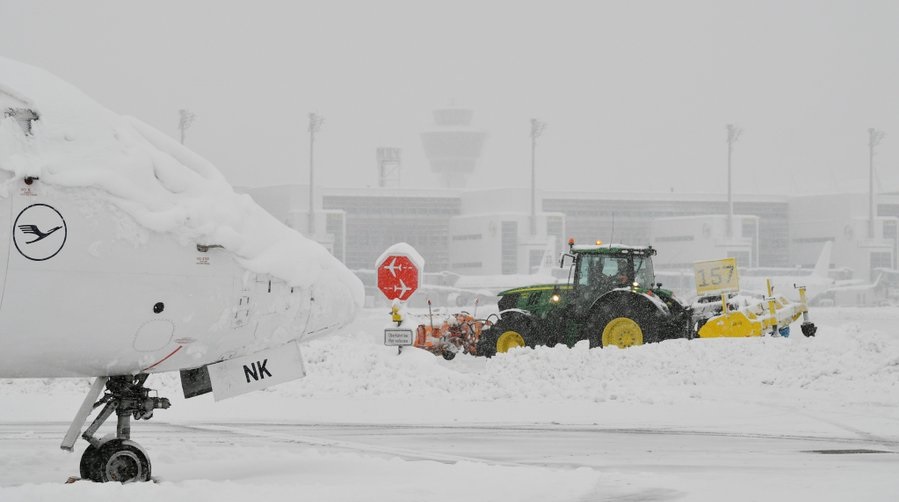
[123, 461]
[90, 464]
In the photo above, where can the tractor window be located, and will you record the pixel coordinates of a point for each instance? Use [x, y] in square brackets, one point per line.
[643, 273]
[592, 269]
[603, 271]
[614, 271]
[588, 267]
[612, 267]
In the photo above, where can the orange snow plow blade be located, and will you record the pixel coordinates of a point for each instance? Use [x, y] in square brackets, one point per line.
[455, 333]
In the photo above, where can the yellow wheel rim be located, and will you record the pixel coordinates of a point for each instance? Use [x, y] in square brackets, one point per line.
[509, 340]
[622, 332]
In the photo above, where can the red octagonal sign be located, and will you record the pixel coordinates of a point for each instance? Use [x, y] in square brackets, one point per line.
[397, 277]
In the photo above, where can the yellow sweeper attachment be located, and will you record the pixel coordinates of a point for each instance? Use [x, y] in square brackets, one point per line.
[742, 316]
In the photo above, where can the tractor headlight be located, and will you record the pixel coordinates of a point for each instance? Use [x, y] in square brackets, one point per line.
[555, 298]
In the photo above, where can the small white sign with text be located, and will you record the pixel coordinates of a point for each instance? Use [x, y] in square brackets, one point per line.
[258, 371]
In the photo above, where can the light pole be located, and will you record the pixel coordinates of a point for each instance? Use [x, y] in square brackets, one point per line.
[186, 118]
[537, 128]
[874, 137]
[733, 134]
[315, 124]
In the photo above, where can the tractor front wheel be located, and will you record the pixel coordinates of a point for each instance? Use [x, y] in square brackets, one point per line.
[505, 335]
[508, 340]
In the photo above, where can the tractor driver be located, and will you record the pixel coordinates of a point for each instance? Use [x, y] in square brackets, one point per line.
[619, 277]
[609, 273]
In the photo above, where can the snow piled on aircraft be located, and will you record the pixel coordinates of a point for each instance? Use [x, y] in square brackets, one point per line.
[165, 187]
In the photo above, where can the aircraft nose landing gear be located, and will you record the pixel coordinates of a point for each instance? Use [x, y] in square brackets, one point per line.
[116, 460]
[119, 458]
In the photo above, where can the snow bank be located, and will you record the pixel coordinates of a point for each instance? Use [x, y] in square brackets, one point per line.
[162, 185]
[859, 366]
[849, 364]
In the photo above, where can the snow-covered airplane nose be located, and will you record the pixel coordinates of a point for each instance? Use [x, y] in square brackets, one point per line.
[114, 220]
[124, 254]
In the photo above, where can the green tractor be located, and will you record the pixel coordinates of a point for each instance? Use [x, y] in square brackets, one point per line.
[611, 298]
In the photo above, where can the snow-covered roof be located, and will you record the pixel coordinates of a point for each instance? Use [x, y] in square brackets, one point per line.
[609, 247]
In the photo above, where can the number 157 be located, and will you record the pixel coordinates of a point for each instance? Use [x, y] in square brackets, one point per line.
[716, 275]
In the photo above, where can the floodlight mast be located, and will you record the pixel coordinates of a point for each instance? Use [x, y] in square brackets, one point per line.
[186, 118]
[733, 134]
[537, 128]
[874, 138]
[315, 124]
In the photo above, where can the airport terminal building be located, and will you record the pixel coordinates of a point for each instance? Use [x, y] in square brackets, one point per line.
[480, 232]
[494, 231]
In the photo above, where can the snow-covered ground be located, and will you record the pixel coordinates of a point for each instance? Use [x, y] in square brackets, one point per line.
[735, 419]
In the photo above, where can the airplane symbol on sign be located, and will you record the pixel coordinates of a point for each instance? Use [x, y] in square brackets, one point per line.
[393, 267]
[402, 288]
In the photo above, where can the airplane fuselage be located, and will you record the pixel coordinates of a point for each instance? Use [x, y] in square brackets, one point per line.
[101, 295]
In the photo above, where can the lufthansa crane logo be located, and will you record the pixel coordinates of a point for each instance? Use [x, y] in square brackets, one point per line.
[39, 232]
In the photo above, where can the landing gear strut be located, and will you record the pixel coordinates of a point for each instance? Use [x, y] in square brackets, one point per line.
[115, 458]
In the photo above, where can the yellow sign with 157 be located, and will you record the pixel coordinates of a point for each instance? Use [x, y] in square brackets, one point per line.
[716, 276]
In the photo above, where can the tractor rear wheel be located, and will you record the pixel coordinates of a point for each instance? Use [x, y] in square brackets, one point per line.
[622, 332]
[622, 324]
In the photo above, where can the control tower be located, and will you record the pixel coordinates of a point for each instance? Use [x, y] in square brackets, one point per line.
[452, 145]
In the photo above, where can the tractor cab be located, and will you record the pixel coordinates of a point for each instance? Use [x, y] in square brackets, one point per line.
[605, 268]
[601, 268]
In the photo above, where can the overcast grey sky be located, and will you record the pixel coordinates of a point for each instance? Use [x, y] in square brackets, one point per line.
[636, 94]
